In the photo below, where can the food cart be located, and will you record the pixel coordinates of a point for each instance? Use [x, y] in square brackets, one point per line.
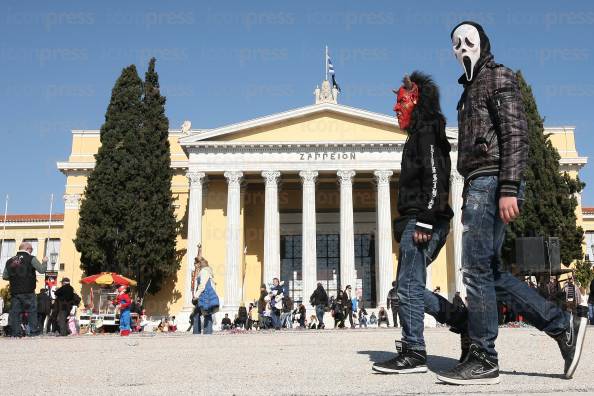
[101, 314]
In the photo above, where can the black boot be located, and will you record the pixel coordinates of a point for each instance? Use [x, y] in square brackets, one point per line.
[477, 369]
[406, 362]
[571, 341]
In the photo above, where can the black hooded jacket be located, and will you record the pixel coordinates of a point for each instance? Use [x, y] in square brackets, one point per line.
[425, 174]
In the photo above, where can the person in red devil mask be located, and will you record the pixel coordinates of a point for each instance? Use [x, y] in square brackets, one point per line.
[423, 225]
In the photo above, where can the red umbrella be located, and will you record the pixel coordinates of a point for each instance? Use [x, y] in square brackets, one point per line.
[108, 278]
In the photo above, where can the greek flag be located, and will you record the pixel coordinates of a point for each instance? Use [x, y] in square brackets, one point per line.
[332, 73]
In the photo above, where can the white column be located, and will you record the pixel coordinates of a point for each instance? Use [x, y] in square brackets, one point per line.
[385, 268]
[233, 285]
[348, 274]
[308, 237]
[456, 188]
[196, 180]
[271, 227]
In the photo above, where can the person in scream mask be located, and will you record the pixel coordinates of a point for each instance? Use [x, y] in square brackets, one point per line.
[423, 224]
[492, 157]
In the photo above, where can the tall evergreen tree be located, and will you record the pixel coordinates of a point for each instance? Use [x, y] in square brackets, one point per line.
[550, 202]
[155, 225]
[127, 222]
[102, 236]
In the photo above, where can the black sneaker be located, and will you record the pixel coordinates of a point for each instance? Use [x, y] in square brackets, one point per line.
[408, 361]
[571, 341]
[477, 369]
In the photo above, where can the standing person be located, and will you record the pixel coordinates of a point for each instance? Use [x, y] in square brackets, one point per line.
[348, 305]
[591, 303]
[64, 301]
[394, 302]
[203, 316]
[44, 306]
[20, 272]
[276, 296]
[123, 303]
[573, 298]
[423, 225]
[338, 310]
[492, 157]
[286, 320]
[319, 300]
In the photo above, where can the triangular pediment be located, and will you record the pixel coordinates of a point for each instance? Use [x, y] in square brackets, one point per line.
[321, 122]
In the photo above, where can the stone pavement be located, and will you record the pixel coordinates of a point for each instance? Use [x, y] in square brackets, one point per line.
[330, 362]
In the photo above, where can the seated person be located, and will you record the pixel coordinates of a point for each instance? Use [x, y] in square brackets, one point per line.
[172, 325]
[373, 319]
[313, 322]
[382, 317]
[226, 323]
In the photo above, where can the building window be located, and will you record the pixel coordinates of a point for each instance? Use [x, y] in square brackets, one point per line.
[328, 262]
[34, 244]
[589, 238]
[291, 266]
[7, 250]
[365, 268]
[52, 252]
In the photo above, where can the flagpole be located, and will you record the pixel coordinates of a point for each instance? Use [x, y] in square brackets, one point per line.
[49, 226]
[4, 224]
[326, 63]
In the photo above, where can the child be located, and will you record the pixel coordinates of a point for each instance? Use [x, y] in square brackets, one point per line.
[123, 302]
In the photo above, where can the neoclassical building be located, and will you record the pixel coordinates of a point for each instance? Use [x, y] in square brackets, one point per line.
[307, 195]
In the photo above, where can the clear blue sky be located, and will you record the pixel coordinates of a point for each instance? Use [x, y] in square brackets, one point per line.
[226, 61]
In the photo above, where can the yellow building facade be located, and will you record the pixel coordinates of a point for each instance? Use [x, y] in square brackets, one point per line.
[308, 195]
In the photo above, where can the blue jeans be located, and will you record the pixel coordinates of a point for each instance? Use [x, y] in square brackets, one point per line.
[320, 311]
[25, 303]
[485, 280]
[412, 278]
[591, 313]
[199, 327]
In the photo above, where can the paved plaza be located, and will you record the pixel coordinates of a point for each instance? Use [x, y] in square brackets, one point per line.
[331, 362]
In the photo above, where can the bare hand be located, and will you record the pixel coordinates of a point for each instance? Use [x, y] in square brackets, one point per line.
[44, 260]
[508, 209]
[421, 237]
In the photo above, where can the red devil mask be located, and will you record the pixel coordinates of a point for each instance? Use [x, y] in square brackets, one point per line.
[406, 102]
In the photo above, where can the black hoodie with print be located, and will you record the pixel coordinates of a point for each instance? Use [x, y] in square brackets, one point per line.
[425, 174]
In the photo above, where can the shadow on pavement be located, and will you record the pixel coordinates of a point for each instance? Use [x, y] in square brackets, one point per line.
[434, 363]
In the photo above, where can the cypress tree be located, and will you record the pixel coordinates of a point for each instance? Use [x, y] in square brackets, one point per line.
[155, 225]
[103, 234]
[550, 196]
[127, 221]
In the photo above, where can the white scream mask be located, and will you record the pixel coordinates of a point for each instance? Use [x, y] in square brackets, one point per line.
[466, 42]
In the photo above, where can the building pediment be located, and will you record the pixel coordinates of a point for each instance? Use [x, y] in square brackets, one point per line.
[326, 122]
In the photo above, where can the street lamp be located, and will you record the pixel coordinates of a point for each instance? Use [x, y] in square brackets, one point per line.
[53, 260]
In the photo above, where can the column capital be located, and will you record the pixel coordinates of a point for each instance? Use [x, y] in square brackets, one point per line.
[233, 177]
[195, 177]
[271, 176]
[345, 176]
[72, 201]
[383, 176]
[308, 177]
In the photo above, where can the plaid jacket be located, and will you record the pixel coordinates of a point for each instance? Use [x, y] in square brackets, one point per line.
[492, 127]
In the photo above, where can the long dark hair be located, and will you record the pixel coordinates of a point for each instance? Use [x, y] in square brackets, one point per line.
[428, 109]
